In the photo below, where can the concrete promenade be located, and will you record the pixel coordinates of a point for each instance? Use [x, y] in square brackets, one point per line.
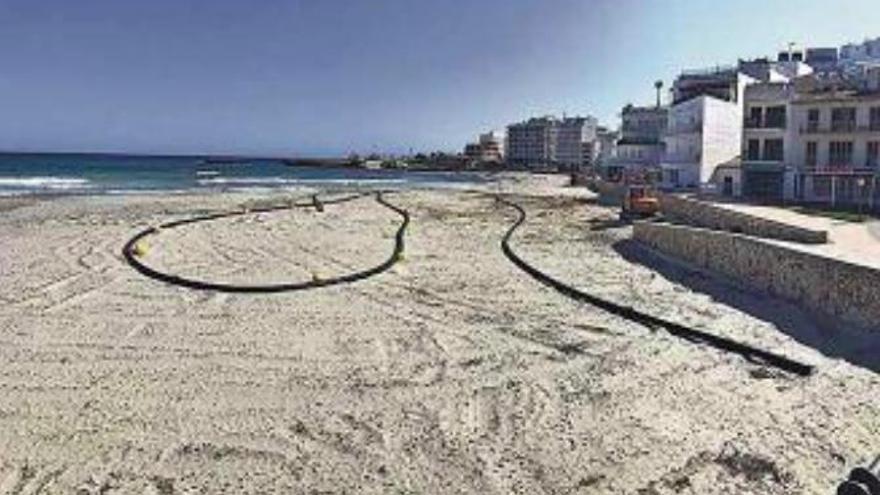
[848, 241]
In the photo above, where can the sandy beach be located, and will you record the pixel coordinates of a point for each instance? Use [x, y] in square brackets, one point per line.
[453, 373]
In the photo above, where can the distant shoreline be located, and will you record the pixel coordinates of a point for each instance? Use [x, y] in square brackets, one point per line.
[110, 154]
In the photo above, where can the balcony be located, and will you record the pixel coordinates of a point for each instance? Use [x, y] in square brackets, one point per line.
[755, 123]
[763, 165]
[846, 127]
[840, 169]
[843, 126]
[752, 123]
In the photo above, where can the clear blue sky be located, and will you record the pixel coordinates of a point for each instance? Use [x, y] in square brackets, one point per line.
[329, 76]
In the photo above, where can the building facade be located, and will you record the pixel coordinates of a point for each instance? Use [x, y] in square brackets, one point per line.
[548, 142]
[836, 147]
[702, 134]
[640, 145]
[766, 174]
[574, 137]
[704, 127]
[854, 54]
[488, 149]
[532, 144]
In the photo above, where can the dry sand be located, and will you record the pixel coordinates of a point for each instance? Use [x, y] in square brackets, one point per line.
[454, 373]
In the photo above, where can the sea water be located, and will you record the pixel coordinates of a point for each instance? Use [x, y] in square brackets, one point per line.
[24, 174]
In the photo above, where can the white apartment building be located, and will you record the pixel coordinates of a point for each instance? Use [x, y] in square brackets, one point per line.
[548, 142]
[532, 143]
[704, 128]
[574, 136]
[856, 53]
[836, 147]
[640, 146]
[766, 173]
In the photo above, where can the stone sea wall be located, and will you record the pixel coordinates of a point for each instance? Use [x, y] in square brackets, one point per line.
[689, 211]
[822, 285]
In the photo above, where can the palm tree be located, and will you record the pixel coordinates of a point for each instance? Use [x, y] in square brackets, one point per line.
[658, 85]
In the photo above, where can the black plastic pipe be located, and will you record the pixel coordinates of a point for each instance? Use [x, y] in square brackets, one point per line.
[128, 251]
[690, 334]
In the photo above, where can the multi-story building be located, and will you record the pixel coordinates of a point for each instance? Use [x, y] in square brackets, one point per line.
[574, 136]
[548, 142]
[488, 149]
[836, 143]
[640, 146]
[854, 53]
[532, 143]
[766, 175]
[704, 127]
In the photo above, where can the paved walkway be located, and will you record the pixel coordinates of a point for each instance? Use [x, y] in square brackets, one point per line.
[849, 241]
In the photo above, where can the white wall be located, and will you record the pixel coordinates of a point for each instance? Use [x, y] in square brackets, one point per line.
[722, 134]
[683, 142]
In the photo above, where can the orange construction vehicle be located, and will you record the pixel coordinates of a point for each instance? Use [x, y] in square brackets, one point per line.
[639, 198]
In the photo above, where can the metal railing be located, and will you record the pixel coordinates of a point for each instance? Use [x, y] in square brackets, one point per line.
[756, 123]
[839, 128]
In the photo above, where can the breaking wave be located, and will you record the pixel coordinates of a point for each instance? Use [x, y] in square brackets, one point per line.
[44, 183]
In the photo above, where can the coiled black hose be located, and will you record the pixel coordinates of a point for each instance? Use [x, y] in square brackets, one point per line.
[128, 251]
[690, 334]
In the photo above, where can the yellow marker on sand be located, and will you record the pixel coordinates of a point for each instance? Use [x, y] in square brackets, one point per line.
[140, 249]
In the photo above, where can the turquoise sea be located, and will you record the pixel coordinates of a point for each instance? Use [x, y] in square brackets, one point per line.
[23, 174]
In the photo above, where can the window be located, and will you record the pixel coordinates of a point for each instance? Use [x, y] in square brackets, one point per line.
[775, 118]
[673, 176]
[755, 114]
[840, 153]
[812, 154]
[754, 152]
[813, 120]
[873, 154]
[843, 119]
[773, 150]
[875, 119]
